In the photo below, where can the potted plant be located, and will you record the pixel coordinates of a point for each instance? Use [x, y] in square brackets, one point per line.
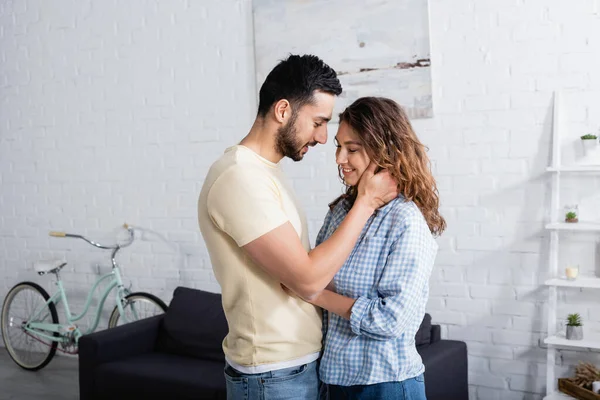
[574, 327]
[571, 213]
[571, 216]
[590, 142]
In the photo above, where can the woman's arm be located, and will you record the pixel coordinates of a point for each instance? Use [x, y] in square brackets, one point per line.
[402, 288]
[403, 285]
[335, 303]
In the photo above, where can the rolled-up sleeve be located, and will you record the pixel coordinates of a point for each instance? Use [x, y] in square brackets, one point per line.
[402, 289]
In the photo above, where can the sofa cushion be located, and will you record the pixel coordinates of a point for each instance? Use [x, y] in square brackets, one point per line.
[423, 336]
[160, 376]
[194, 325]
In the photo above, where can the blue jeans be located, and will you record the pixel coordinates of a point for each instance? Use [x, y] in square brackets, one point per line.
[296, 383]
[410, 389]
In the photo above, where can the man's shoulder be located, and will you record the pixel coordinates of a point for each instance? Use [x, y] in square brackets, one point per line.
[231, 158]
[234, 164]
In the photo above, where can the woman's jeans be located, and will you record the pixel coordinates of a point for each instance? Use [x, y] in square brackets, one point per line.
[410, 389]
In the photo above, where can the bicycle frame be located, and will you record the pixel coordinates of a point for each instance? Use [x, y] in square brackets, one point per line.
[61, 297]
[69, 331]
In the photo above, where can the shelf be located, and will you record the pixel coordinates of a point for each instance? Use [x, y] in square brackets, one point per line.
[558, 396]
[575, 168]
[591, 340]
[581, 282]
[558, 168]
[574, 226]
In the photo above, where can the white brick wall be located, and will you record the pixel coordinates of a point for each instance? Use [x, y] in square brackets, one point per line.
[112, 112]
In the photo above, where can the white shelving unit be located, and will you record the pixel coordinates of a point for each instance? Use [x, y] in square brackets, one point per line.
[558, 396]
[575, 168]
[556, 226]
[590, 341]
[581, 282]
[579, 226]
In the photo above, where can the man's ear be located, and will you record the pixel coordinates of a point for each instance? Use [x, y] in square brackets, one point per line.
[282, 111]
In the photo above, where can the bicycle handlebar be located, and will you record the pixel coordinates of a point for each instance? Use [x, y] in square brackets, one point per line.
[125, 226]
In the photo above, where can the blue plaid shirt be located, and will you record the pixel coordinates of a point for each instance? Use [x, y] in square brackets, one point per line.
[388, 275]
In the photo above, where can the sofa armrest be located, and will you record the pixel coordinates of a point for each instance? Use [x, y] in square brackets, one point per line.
[112, 344]
[436, 333]
[446, 370]
[120, 342]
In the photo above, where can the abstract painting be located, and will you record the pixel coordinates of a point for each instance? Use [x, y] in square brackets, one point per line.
[378, 48]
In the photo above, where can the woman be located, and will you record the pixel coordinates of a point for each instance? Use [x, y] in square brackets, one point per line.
[378, 298]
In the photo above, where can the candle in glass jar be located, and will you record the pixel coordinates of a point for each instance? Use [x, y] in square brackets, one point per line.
[572, 272]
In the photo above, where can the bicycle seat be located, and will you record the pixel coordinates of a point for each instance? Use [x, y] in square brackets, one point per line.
[43, 267]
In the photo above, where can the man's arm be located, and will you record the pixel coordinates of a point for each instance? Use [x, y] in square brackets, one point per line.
[280, 252]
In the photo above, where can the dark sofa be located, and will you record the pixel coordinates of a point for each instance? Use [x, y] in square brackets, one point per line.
[446, 375]
[178, 355]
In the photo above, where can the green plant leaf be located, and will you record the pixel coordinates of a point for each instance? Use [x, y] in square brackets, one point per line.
[574, 320]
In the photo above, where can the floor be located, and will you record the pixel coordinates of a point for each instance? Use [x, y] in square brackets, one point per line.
[57, 381]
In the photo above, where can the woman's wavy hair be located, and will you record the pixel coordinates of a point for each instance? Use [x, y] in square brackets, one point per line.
[389, 140]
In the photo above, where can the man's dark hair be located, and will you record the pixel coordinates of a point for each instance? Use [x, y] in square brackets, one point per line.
[295, 79]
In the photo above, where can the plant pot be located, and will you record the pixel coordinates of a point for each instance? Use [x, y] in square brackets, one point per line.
[589, 146]
[574, 332]
[572, 220]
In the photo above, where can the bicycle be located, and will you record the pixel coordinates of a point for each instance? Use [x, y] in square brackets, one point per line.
[29, 321]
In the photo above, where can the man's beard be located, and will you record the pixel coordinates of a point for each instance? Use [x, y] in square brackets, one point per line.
[286, 142]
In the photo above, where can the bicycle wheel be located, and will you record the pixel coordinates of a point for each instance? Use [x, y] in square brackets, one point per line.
[138, 306]
[25, 348]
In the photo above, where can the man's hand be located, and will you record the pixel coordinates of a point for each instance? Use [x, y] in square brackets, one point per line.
[376, 190]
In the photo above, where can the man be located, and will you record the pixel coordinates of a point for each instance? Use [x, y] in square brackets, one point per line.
[257, 236]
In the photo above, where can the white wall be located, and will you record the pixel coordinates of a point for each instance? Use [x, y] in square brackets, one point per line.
[112, 112]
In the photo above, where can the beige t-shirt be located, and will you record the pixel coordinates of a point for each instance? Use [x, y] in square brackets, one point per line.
[244, 197]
